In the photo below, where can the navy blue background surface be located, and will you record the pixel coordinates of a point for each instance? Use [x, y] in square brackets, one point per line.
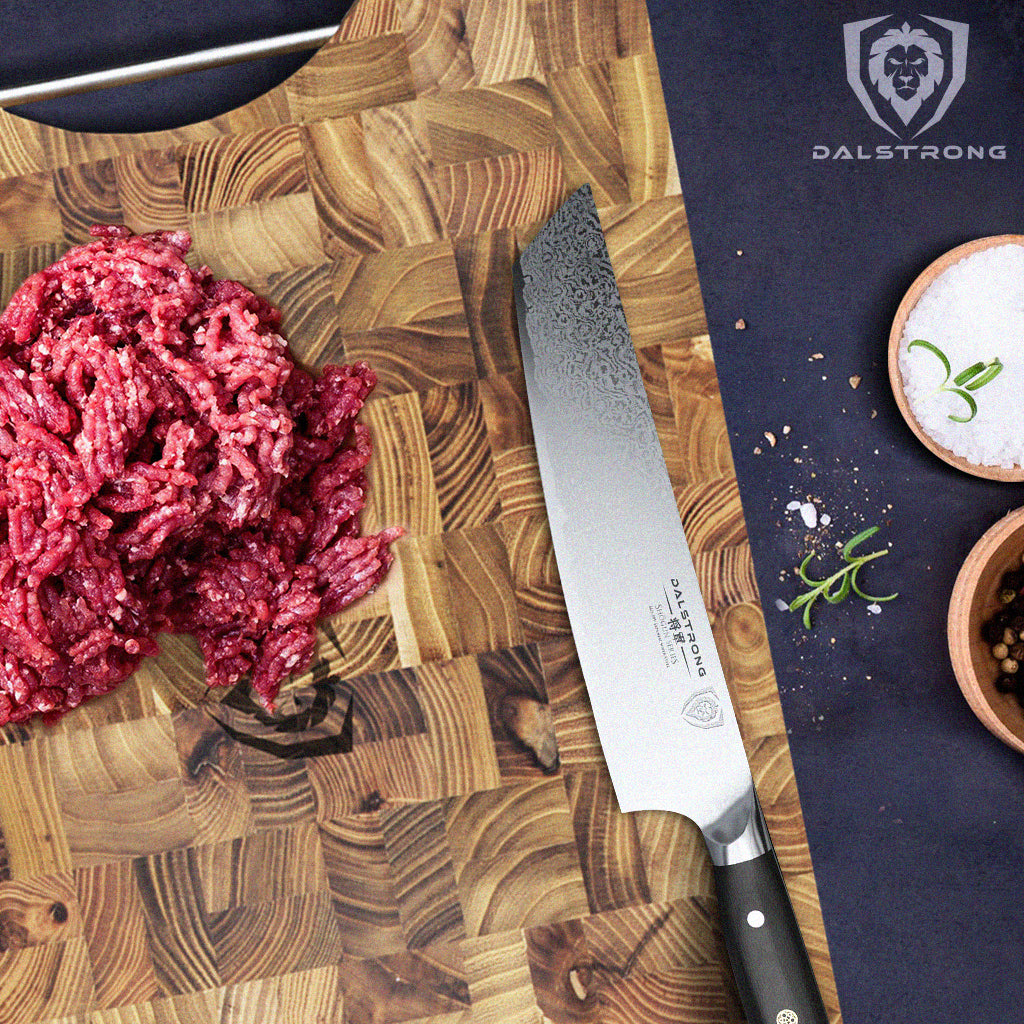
[45, 40]
[915, 813]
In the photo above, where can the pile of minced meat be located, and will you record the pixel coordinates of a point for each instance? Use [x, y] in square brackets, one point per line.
[166, 466]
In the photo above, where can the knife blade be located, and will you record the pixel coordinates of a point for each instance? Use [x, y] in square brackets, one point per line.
[664, 715]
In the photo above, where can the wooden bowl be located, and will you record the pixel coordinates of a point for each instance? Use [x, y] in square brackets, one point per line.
[910, 300]
[975, 599]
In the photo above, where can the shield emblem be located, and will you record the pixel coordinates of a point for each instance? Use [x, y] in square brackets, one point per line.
[905, 71]
[704, 709]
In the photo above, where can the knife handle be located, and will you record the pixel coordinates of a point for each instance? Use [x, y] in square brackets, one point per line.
[769, 960]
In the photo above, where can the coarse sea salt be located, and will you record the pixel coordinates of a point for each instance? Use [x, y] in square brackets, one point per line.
[973, 312]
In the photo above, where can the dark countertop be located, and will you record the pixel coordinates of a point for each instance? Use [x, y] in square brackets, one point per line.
[50, 40]
[913, 810]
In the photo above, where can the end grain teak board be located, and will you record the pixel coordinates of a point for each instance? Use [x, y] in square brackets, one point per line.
[156, 862]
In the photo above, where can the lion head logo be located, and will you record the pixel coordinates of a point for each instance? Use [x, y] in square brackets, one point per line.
[906, 71]
[905, 66]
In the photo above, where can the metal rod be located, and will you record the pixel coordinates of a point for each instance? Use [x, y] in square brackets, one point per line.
[214, 57]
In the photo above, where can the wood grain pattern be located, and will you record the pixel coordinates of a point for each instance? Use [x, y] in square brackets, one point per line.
[34, 834]
[149, 190]
[575, 728]
[266, 866]
[38, 910]
[515, 876]
[398, 148]
[17, 264]
[453, 701]
[461, 456]
[498, 978]
[482, 589]
[362, 885]
[170, 856]
[28, 210]
[341, 180]
[240, 169]
[476, 123]
[651, 937]
[294, 934]
[45, 982]
[501, 191]
[395, 771]
[438, 52]
[428, 900]
[212, 772]
[114, 927]
[673, 854]
[396, 287]
[502, 45]
[351, 75]
[86, 195]
[484, 264]
[588, 132]
[608, 843]
[535, 574]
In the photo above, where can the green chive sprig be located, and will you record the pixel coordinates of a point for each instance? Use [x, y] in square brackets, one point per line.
[840, 584]
[975, 376]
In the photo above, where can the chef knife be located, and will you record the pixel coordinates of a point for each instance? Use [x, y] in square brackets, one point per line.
[664, 715]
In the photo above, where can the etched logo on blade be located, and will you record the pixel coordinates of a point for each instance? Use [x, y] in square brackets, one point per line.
[905, 71]
[704, 709]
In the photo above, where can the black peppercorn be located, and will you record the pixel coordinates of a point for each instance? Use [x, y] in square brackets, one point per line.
[992, 631]
[1012, 579]
[1006, 683]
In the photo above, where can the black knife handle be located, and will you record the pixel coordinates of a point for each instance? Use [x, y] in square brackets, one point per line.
[769, 960]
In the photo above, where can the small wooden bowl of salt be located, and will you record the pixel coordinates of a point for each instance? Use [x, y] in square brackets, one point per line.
[956, 357]
[974, 601]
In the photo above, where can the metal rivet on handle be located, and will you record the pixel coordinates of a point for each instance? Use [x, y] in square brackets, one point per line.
[786, 1017]
[755, 919]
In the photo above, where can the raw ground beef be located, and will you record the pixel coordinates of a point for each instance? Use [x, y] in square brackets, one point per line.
[166, 466]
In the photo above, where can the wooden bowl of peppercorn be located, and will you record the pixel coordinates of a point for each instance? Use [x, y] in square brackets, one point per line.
[985, 629]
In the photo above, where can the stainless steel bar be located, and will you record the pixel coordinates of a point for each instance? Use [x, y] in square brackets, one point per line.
[215, 57]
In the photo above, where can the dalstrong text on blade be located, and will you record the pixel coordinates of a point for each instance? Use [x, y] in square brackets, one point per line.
[676, 633]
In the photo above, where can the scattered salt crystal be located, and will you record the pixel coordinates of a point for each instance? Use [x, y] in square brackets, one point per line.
[972, 312]
[741, 324]
[770, 438]
[781, 605]
[807, 511]
[855, 382]
[875, 609]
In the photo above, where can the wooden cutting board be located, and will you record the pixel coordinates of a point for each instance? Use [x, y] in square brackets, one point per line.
[166, 856]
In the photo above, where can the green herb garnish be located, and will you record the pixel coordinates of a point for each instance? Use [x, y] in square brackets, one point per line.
[838, 586]
[973, 377]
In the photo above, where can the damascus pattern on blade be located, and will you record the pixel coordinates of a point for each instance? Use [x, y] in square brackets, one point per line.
[578, 332]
